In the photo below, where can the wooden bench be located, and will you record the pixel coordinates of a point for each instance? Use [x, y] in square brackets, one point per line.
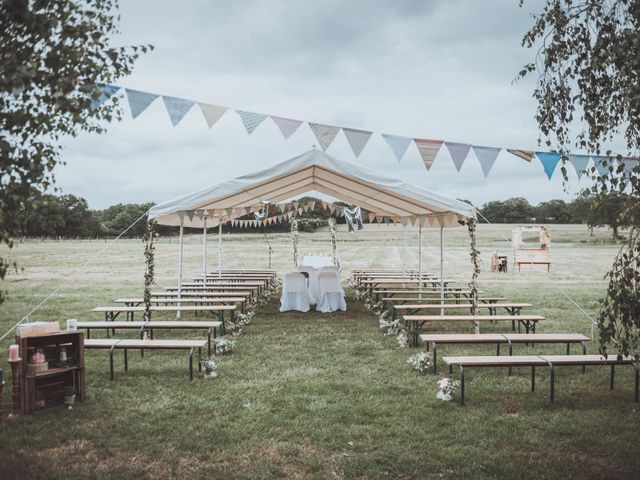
[111, 313]
[403, 300]
[519, 263]
[135, 302]
[412, 309]
[533, 361]
[210, 326]
[211, 293]
[414, 323]
[113, 344]
[434, 339]
[457, 293]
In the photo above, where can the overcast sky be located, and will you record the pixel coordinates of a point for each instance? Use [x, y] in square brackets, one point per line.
[430, 69]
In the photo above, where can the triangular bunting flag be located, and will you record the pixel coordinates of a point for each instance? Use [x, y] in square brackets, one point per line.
[324, 133]
[524, 154]
[371, 217]
[332, 208]
[177, 108]
[139, 101]
[211, 113]
[549, 161]
[579, 162]
[458, 153]
[487, 157]
[287, 126]
[428, 150]
[295, 205]
[397, 144]
[357, 139]
[602, 164]
[228, 212]
[190, 214]
[200, 214]
[105, 93]
[312, 205]
[629, 165]
[251, 120]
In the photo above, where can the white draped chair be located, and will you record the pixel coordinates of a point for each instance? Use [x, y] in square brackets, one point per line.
[314, 289]
[336, 270]
[295, 294]
[331, 295]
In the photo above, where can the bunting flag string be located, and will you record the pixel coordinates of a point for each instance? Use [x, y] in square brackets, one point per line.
[177, 108]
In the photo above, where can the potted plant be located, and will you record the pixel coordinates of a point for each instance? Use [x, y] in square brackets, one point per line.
[69, 395]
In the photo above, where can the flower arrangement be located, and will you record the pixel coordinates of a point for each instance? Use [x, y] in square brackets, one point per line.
[334, 241]
[224, 345]
[150, 237]
[448, 386]
[235, 327]
[377, 307]
[389, 328]
[385, 315]
[209, 368]
[402, 339]
[422, 361]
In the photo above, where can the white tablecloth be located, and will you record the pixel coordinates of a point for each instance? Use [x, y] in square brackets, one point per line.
[317, 261]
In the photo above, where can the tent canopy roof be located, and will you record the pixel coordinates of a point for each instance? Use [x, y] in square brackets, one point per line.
[312, 171]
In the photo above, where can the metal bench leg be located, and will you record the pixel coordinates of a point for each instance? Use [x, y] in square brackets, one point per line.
[552, 375]
[498, 349]
[635, 367]
[533, 378]
[209, 341]
[435, 355]
[199, 359]
[461, 386]
[88, 334]
[191, 364]
[613, 370]
[584, 352]
[126, 359]
[568, 348]
[510, 369]
[111, 361]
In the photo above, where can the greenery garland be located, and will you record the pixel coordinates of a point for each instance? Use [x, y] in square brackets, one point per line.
[475, 261]
[150, 237]
[294, 240]
[334, 241]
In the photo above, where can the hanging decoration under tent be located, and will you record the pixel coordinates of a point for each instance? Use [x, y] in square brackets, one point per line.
[459, 152]
[353, 216]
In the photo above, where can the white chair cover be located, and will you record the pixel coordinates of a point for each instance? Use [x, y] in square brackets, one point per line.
[331, 298]
[314, 288]
[317, 261]
[335, 270]
[295, 295]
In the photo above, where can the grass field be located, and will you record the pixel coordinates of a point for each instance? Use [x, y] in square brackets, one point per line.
[321, 396]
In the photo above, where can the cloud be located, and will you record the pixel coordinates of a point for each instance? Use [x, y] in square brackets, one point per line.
[415, 68]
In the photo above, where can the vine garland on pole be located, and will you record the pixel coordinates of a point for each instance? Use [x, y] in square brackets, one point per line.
[334, 241]
[150, 237]
[294, 240]
[475, 262]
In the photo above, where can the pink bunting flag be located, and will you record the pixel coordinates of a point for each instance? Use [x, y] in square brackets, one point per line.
[428, 150]
[524, 154]
[287, 126]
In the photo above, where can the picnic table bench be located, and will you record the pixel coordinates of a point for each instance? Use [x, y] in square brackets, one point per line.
[434, 339]
[449, 292]
[113, 344]
[213, 293]
[112, 312]
[210, 326]
[414, 323]
[251, 286]
[550, 361]
[134, 302]
[402, 300]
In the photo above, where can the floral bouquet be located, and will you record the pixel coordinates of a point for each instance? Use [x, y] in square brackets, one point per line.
[422, 361]
[448, 387]
[402, 339]
[224, 345]
[209, 368]
[377, 308]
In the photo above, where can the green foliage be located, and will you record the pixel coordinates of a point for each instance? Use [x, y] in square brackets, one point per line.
[117, 218]
[150, 238]
[55, 55]
[587, 64]
[514, 210]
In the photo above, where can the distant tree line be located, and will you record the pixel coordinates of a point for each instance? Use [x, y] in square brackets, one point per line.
[69, 216]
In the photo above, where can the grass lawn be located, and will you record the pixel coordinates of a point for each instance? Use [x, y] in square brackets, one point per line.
[321, 396]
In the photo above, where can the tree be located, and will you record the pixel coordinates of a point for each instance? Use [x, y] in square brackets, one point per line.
[514, 210]
[56, 64]
[609, 209]
[553, 211]
[588, 92]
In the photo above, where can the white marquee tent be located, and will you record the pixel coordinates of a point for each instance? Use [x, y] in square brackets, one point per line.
[312, 171]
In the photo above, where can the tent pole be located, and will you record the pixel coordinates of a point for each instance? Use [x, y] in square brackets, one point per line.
[404, 249]
[441, 268]
[220, 249]
[204, 253]
[420, 260]
[180, 249]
